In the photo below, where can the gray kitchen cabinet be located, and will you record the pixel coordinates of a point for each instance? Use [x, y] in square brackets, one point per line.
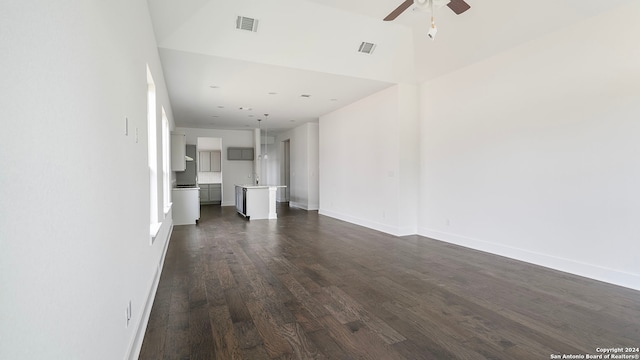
[239, 153]
[234, 154]
[215, 193]
[247, 154]
[205, 161]
[210, 193]
[216, 161]
[204, 193]
[210, 161]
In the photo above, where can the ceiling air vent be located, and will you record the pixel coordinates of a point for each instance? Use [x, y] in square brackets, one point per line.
[366, 47]
[245, 23]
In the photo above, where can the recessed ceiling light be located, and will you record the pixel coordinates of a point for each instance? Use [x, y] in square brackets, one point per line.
[220, 107]
[305, 95]
[273, 93]
[292, 121]
[244, 108]
[251, 115]
[215, 116]
[333, 99]
[214, 87]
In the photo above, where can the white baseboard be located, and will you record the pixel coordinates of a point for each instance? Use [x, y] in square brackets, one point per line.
[385, 228]
[136, 345]
[571, 266]
[298, 205]
[312, 207]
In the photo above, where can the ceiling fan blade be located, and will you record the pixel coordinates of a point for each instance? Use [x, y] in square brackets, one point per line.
[399, 10]
[458, 6]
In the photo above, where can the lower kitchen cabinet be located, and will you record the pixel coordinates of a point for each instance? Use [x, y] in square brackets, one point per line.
[186, 209]
[204, 193]
[210, 193]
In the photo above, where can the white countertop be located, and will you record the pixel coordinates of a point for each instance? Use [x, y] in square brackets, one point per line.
[185, 188]
[251, 186]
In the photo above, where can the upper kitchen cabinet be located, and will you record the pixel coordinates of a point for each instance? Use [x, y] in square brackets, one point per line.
[178, 152]
[210, 161]
[237, 153]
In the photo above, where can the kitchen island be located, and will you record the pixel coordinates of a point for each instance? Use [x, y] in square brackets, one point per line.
[257, 201]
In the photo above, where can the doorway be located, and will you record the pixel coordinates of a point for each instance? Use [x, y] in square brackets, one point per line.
[209, 165]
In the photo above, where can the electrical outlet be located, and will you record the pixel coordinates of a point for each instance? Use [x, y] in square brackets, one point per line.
[128, 313]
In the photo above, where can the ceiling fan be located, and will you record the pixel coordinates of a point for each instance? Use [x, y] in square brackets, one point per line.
[458, 6]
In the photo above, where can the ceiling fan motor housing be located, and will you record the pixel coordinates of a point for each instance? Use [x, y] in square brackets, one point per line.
[426, 4]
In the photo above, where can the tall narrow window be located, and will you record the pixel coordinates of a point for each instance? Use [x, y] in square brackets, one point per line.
[153, 156]
[166, 163]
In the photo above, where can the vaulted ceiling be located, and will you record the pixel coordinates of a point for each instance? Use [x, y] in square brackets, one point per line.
[310, 48]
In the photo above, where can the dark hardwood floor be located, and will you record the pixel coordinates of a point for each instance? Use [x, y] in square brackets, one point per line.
[307, 286]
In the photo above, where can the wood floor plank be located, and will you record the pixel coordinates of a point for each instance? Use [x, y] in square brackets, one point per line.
[236, 304]
[255, 353]
[224, 334]
[451, 341]
[153, 346]
[302, 347]
[201, 340]
[382, 329]
[247, 334]
[359, 342]
[273, 341]
[327, 346]
[306, 286]
[303, 317]
[176, 342]
[411, 350]
[303, 296]
[224, 274]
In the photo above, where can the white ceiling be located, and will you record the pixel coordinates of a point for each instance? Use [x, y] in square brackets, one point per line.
[310, 47]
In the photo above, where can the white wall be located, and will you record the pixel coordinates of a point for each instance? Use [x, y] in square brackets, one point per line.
[74, 216]
[304, 164]
[533, 154]
[368, 161]
[233, 172]
[313, 166]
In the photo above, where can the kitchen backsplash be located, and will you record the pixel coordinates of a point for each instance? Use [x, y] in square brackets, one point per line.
[209, 177]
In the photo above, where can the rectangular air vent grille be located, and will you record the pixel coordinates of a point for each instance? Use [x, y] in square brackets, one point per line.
[366, 48]
[246, 23]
